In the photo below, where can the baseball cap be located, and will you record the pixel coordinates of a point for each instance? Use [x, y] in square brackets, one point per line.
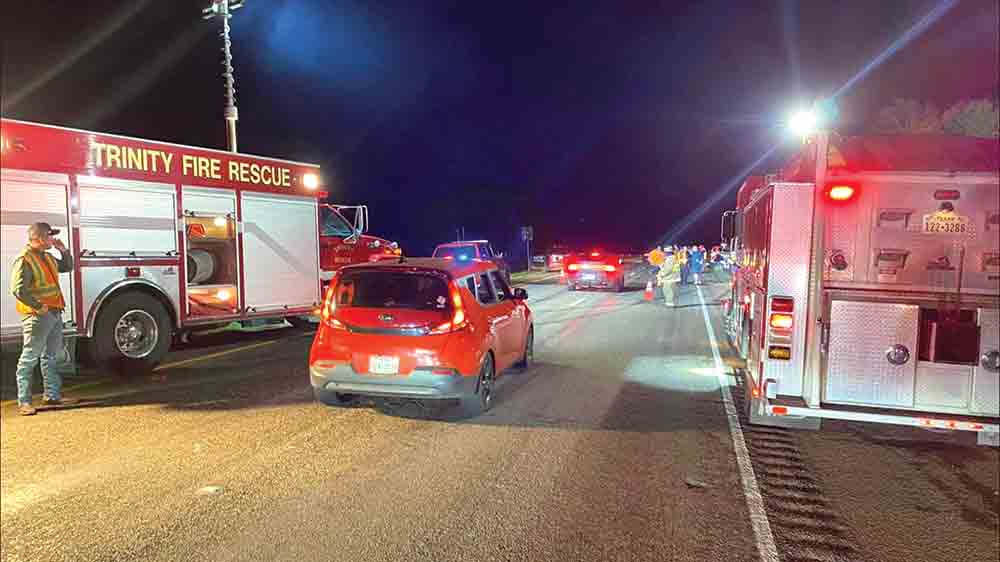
[39, 229]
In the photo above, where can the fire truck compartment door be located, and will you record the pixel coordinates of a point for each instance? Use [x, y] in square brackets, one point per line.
[30, 197]
[123, 218]
[858, 367]
[280, 251]
[986, 382]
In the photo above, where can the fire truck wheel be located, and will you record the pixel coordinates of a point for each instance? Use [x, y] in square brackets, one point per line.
[85, 353]
[132, 334]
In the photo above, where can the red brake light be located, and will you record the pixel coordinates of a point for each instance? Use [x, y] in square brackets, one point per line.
[782, 304]
[840, 193]
[330, 306]
[947, 194]
[459, 319]
[781, 321]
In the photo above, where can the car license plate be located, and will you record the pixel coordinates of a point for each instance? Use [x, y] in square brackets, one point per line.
[945, 223]
[383, 365]
[588, 276]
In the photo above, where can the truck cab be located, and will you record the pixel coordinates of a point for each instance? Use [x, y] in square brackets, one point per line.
[473, 249]
[344, 242]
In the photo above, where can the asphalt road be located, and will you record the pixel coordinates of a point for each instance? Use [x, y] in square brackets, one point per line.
[615, 446]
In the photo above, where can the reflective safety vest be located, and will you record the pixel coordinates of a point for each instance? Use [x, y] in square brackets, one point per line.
[44, 281]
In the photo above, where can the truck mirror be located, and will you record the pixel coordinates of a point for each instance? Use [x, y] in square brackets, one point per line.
[728, 226]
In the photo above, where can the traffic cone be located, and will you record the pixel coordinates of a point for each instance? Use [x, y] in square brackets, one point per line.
[649, 291]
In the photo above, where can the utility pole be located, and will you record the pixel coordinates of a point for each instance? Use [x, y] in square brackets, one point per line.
[224, 9]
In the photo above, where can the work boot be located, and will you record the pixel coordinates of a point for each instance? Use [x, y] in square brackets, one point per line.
[26, 410]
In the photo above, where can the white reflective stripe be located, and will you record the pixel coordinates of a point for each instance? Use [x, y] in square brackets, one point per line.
[755, 503]
[873, 417]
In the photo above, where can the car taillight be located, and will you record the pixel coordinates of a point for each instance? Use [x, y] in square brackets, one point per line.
[330, 307]
[573, 267]
[459, 319]
[610, 268]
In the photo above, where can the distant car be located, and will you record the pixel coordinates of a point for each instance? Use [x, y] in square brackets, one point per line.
[421, 329]
[473, 250]
[595, 269]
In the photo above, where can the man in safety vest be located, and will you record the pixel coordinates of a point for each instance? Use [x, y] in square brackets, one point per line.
[35, 285]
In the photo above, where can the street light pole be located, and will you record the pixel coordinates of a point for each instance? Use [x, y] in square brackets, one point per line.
[224, 9]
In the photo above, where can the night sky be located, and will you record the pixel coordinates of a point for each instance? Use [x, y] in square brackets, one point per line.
[596, 122]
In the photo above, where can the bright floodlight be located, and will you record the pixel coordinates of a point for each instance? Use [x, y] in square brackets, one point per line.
[802, 123]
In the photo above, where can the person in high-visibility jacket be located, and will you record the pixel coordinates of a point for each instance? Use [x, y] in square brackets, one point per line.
[669, 278]
[35, 285]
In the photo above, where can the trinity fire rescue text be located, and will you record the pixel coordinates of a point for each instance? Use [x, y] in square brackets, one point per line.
[106, 155]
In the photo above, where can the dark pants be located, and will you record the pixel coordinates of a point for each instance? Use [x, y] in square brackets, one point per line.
[685, 273]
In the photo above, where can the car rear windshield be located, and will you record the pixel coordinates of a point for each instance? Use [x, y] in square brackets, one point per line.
[387, 289]
[456, 252]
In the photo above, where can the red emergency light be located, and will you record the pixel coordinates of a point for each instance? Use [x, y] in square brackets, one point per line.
[840, 192]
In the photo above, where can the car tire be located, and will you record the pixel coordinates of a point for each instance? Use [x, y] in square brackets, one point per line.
[335, 399]
[482, 399]
[529, 351]
[127, 311]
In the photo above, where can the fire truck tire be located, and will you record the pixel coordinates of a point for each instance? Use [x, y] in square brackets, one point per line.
[85, 353]
[132, 334]
[620, 285]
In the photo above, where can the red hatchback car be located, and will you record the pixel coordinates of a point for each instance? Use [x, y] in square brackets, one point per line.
[420, 329]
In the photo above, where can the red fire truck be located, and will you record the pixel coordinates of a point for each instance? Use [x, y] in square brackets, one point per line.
[343, 242]
[165, 238]
[904, 328]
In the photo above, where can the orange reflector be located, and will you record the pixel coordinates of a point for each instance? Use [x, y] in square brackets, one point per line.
[926, 422]
[779, 410]
[976, 426]
[779, 352]
[781, 321]
[840, 192]
[756, 392]
[952, 424]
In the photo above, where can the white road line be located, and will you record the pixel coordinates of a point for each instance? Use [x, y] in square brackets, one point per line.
[755, 503]
[577, 302]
